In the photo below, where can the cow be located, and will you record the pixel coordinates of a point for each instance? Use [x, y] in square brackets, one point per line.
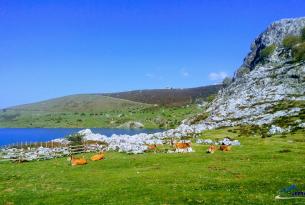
[183, 147]
[212, 149]
[97, 157]
[77, 161]
[151, 147]
[225, 148]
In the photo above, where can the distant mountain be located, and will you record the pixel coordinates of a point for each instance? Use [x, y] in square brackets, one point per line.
[168, 97]
[80, 103]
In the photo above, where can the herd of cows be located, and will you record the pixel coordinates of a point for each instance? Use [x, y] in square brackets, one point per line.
[180, 147]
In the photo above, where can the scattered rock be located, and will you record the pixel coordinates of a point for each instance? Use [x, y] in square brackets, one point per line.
[277, 130]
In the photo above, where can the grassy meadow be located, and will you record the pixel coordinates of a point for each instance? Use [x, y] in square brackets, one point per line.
[252, 173]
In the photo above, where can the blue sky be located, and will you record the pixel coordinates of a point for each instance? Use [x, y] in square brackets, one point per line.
[56, 48]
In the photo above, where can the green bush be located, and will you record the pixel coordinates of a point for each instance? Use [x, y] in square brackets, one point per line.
[267, 51]
[298, 52]
[297, 45]
[210, 98]
[75, 139]
[290, 41]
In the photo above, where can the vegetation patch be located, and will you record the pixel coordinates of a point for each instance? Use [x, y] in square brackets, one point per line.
[253, 130]
[298, 52]
[75, 139]
[286, 104]
[296, 44]
[266, 52]
[198, 118]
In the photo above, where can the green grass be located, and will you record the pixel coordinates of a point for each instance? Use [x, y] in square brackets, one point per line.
[250, 174]
[150, 116]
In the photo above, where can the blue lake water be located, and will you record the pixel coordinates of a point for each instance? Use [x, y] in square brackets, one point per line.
[18, 135]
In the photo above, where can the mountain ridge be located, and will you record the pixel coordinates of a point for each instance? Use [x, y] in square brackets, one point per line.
[164, 97]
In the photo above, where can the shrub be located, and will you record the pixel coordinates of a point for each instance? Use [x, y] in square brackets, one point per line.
[290, 41]
[75, 139]
[210, 98]
[298, 52]
[267, 51]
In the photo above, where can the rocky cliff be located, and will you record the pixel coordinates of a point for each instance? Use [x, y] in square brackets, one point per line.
[267, 88]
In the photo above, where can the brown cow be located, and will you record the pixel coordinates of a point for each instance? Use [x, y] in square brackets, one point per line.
[97, 157]
[77, 161]
[151, 147]
[212, 149]
[225, 148]
[182, 145]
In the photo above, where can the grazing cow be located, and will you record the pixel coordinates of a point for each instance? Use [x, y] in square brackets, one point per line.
[212, 149]
[77, 161]
[225, 148]
[97, 157]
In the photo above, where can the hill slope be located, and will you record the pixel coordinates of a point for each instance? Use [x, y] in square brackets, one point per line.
[97, 110]
[268, 89]
[80, 103]
[168, 97]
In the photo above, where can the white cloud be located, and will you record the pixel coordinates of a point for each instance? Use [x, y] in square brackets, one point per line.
[217, 76]
[184, 73]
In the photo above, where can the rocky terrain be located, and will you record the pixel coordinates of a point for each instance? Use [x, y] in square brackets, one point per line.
[265, 88]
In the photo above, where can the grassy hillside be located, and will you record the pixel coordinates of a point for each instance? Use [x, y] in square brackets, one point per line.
[80, 103]
[150, 116]
[250, 174]
[96, 110]
[168, 97]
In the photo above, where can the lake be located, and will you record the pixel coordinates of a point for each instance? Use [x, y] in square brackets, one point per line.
[29, 135]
